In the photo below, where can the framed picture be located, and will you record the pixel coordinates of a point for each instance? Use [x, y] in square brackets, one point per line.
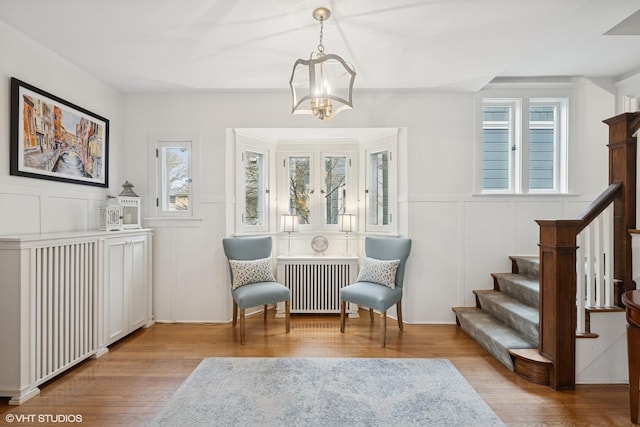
[56, 140]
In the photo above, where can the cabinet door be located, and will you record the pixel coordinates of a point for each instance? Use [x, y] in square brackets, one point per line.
[138, 282]
[127, 284]
[116, 283]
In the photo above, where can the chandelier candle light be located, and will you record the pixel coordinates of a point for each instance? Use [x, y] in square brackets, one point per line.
[325, 80]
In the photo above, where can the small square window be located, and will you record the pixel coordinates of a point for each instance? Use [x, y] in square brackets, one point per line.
[524, 141]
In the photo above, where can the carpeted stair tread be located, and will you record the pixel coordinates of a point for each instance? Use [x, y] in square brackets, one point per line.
[496, 337]
[524, 288]
[511, 311]
[527, 265]
[506, 318]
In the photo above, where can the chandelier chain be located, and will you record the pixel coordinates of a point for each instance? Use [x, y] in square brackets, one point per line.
[321, 46]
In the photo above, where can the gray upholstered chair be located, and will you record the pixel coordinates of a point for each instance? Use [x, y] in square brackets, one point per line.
[254, 283]
[372, 290]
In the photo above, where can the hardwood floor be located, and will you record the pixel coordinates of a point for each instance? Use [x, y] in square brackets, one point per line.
[128, 386]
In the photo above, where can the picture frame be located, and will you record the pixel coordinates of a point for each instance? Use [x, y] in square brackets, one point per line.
[56, 140]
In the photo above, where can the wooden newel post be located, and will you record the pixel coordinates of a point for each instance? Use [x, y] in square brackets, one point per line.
[622, 168]
[557, 291]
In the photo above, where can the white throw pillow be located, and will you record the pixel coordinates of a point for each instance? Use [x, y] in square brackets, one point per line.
[254, 271]
[379, 271]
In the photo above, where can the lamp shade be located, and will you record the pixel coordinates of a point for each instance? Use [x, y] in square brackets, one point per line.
[347, 222]
[290, 223]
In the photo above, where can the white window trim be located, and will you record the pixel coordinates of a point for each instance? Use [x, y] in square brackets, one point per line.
[515, 141]
[372, 147]
[351, 204]
[238, 141]
[561, 138]
[242, 228]
[155, 143]
[283, 189]
[279, 201]
[628, 94]
[518, 174]
[317, 157]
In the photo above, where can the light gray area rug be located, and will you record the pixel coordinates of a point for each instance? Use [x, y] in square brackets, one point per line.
[325, 392]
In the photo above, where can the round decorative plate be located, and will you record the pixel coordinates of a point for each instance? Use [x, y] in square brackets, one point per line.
[319, 244]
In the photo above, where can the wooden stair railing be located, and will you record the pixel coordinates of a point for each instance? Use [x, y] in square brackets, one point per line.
[557, 337]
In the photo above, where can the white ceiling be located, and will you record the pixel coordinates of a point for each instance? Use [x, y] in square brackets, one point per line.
[169, 45]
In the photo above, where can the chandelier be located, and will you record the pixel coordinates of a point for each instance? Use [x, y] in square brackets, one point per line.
[323, 84]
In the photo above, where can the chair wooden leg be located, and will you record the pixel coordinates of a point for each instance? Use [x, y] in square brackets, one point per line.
[264, 315]
[399, 312]
[383, 328]
[371, 315]
[235, 314]
[242, 326]
[343, 309]
[287, 311]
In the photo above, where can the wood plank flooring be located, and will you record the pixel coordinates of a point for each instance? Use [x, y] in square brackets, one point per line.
[129, 385]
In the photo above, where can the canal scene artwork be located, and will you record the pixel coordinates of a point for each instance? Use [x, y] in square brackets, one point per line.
[56, 140]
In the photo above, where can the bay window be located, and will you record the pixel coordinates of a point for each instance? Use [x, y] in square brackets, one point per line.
[316, 180]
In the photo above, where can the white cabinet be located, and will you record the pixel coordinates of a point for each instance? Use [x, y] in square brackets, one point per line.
[127, 284]
[64, 297]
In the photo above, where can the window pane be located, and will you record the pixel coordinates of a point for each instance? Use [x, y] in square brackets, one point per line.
[176, 179]
[299, 187]
[254, 188]
[335, 185]
[542, 121]
[379, 188]
[495, 147]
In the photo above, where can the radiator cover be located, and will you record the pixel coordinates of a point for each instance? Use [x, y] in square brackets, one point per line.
[315, 282]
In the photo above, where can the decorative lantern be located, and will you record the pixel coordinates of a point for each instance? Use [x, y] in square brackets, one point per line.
[323, 84]
[130, 203]
[111, 215]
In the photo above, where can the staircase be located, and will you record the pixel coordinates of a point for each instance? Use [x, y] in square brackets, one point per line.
[505, 320]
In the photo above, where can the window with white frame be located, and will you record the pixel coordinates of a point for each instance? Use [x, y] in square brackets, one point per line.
[335, 185]
[380, 190]
[174, 182]
[318, 186]
[253, 189]
[298, 183]
[524, 145]
[316, 180]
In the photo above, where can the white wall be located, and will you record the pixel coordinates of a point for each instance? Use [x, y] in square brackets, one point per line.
[458, 238]
[34, 205]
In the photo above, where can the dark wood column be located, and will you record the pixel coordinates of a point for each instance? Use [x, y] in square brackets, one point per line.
[557, 299]
[622, 168]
